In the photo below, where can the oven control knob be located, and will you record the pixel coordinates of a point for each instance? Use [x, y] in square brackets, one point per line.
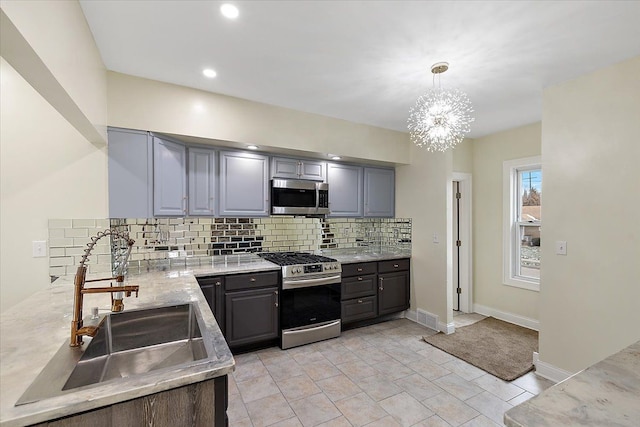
[297, 270]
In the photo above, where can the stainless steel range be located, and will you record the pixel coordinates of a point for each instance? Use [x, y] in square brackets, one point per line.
[310, 297]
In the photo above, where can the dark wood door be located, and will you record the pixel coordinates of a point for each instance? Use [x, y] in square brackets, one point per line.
[393, 292]
[251, 316]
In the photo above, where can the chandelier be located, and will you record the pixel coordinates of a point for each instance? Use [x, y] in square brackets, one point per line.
[441, 117]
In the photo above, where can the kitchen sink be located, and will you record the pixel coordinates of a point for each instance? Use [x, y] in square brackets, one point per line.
[129, 343]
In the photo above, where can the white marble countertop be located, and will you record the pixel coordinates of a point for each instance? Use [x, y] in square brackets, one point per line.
[605, 394]
[352, 256]
[32, 331]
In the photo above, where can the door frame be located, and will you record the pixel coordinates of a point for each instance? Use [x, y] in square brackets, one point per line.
[466, 249]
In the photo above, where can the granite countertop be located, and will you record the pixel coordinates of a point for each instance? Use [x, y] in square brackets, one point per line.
[32, 331]
[605, 394]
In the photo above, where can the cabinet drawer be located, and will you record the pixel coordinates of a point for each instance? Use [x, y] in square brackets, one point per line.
[359, 309]
[358, 269]
[251, 280]
[359, 286]
[393, 265]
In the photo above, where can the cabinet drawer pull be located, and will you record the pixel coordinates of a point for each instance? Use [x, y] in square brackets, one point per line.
[359, 279]
[218, 283]
[275, 292]
[359, 301]
[395, 266]
[253, 279]
[359, 269]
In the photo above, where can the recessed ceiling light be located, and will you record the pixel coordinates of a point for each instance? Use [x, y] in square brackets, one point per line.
[208, 72]
[252, 147]
[229, 11]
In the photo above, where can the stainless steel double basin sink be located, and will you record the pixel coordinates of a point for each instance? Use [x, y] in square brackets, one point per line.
[129, 343]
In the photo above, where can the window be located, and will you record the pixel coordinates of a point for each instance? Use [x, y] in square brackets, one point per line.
[522, 193]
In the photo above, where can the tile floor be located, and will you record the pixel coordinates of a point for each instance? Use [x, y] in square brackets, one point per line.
[381, 375]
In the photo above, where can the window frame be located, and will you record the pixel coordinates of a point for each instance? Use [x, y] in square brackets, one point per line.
[511, 223]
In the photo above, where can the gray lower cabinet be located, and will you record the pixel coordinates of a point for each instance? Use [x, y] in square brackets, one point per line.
[213, 290]
[246, 307]
[130, 173]
[359, 292]
[169, 178]
[379, 192]
[251, 316]
[345, 190]
[202, 181]
[374, 289]
[244, 184]
[393, 286]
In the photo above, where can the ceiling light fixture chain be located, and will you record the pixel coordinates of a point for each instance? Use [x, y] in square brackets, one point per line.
[441, 118]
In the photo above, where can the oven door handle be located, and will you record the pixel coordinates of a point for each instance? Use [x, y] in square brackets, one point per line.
[306, 283]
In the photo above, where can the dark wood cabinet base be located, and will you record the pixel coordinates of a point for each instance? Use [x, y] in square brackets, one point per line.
[200, 404]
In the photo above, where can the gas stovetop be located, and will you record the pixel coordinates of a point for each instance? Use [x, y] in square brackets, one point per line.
[301, 265]
[294, 258]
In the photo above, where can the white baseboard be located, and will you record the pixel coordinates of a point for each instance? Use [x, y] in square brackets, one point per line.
[447, 328]
[550, 372]
[411, 315]
[507, 317]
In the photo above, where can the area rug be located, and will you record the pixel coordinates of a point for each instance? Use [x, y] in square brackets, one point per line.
[500, 348]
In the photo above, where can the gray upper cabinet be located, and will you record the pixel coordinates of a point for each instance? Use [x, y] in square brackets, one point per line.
[345, 190]
[244, 184]
[379, 192]
[202, 181]
[298, 169]
[169, 178]
[130, 174]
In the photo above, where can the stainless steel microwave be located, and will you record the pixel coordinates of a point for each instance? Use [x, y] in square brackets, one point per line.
[299, 197]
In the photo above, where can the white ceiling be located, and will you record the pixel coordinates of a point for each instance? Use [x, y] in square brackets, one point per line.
[368, 61]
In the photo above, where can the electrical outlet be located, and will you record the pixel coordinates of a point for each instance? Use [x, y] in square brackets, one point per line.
[39, 248]
[435, 238]
[561, 247]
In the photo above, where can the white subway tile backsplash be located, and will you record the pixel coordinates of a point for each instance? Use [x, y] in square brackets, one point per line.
[83, 223]
[60, 223]
[60, 261]
[60, 242]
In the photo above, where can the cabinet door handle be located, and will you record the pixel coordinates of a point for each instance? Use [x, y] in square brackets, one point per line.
[218, 283]
[381, 285]
[275, 292]
[395, 266]
[359, 279]
[184, 205]
[276, 304]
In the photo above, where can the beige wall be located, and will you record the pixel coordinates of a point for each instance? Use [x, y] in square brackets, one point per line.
[422, 193]
[463, 157]
[48, 170]
[54, 50]
[590, 148]
[489, 153]
[138, 103]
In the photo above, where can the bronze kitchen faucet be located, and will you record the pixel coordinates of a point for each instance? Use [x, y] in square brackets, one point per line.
[77, 329]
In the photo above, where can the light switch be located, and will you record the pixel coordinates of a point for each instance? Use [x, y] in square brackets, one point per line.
[561, 247]
[39, 248]
[435, 238]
